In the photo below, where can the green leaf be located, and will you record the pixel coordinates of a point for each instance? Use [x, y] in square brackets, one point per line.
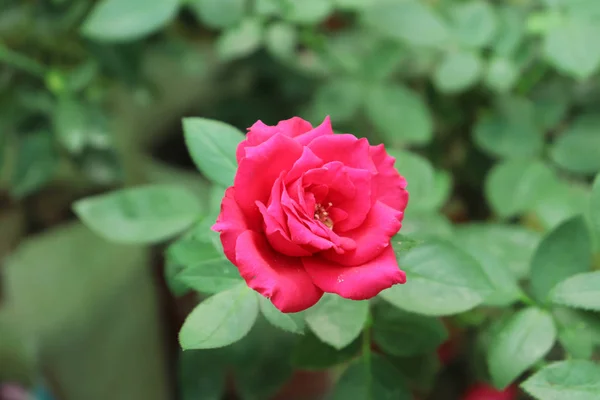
[35, 164]
[523, 340]
[457, 72]
[404, 334]
[572, 48]
[310, 353]
[572, 379]
[510, 131]
[595, 204]
[515, 186]
[501, 74]
[425, 225]
[201, 375]
[120, 21]
[339, 98]
[281, 40]
[218, 13]
[564, 252]
[409, 21]
[441, 280]
[403, 243]
[220, 320]
[337, 321]
[579, 291]
[552, 100]
[399, 114]
[289, 322]
[212, 145]
[420, 173]
[421, 371]
[576, 150]
[510, 31]
[578, 331]
[241, 40]
[512, 246]
[354, 4]
[205, 267]
[307, 11]
[374, 378]
[144, 214]
[474, 23]
[71, 124]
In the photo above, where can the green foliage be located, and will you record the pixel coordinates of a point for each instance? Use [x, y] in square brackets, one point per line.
[146, 214]
[580, 291]
[572, 379]
[520, 342]
[289, 322]
[310, 353]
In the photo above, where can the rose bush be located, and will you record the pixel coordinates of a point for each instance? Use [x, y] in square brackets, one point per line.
[310, 212]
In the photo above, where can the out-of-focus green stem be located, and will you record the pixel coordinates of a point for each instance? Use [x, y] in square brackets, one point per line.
[21, 61]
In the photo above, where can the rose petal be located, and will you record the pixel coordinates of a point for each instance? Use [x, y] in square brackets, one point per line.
[321, 130]
[258, 171]
[389, 186]
[230, 223]
[371, 237]
[344, 148]
[275, 276]
[359, 282]
[357, 206]
[294, 126]
[307, 161]
[278, 237]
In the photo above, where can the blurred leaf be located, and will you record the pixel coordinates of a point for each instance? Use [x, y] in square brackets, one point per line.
[510, 31]
[577, 149]
[212, 145]
[201, 375]
[572, 48]
[512, 246]
[551, 101]
[421, 371]
[337, 321]
[374, 378]
[510, 131]
[35, 164]
[339, 98]
[579, 291]
[310, 353]
[523, 340]
[288, 322]
[71, 124]
[404, 334]
[205, 268]
[307, 11]
[218, 13]
[515, 186]
[403, 243]
[409, 21]
[382, 59]
[442, 280]
[474, 23]
[501, 74]
[564, 252]
[571, 379]
[595, 204]
[241, 40]
[399, 114]
[220, 320]
[145, 214]
[457, 72]
[354, 4]
[425, 225]
[562, 200]
[268, 7]
[120, 21]
[578, 331]
[281, 40]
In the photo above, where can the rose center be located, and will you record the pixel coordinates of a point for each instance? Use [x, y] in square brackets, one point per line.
[321, 214]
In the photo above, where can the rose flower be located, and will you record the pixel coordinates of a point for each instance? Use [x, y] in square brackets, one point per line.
[310, 212]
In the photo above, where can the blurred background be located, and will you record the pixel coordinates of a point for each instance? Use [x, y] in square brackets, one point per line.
[491, 108]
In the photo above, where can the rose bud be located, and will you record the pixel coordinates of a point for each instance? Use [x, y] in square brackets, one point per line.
[310, 212]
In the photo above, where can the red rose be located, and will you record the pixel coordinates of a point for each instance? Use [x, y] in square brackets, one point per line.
[483, 391]
[311, 212]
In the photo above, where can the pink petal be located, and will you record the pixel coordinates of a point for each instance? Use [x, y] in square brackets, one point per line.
[277, 277]
[257, 134]
[230, 223]
[321, 130]
[357, 206]
[307, 161]
[259, 170]
[371, 237]
[294, 126]
[389, 186]
[278, 237]
[345, 148]
[359, 282]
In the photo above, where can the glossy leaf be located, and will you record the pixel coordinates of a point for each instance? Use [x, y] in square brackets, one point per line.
[144, 214]
[564, 252]
[524, 339]
[444, 280]
[579, 291]
[572, 379]
[337, 321]
[220, 320]
[212, 145]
